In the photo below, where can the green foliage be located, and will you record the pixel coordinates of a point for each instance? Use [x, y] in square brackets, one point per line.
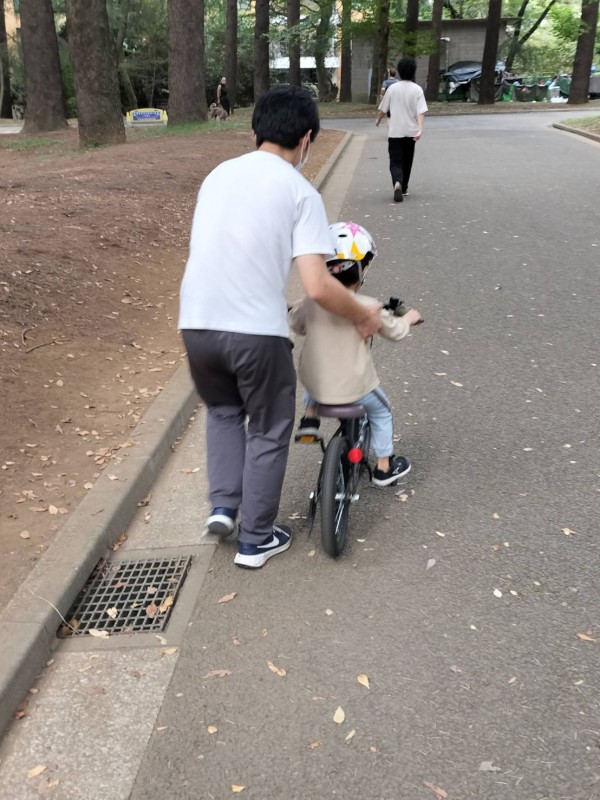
[565, 23]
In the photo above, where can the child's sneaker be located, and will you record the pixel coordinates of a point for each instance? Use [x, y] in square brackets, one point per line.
[254, 556]
[221, 521]
[308, 426]
[399, 466]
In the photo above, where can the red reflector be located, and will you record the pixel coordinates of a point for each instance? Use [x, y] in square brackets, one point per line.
[355, 455]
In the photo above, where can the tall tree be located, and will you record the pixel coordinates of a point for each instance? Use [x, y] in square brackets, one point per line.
[433, 70]
[487, 90]
[231, 49]
[44, 98]
[293, 18]
[127, 91]
[346, 53]
[91, 45]
[517, 40]
[5, 91]
[261, 49]
[322, 47]
[380, 49]
[187, 89]
[584, 54]
[411, 26]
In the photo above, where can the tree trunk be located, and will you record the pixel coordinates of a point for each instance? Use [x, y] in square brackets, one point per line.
[322, 44]
[187, 89]
[433, 70]
[5, 91]
[517, 40]
[346, 53]
[376, 81]
[231, 47]
[584, 54]
[261, 49]
[128, 98]
[411, 25]
[293, 18]
[383, 34]
[44, 98]
[487, 91]
[91, 45]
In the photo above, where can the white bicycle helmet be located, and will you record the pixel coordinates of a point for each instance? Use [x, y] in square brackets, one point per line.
[353, 245]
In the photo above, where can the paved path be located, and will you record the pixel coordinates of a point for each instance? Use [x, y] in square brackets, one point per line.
[461, 599]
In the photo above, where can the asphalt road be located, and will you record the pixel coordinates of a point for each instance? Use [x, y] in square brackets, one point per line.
[467, 601]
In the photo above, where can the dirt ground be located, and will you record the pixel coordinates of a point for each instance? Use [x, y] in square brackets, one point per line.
[92, 249]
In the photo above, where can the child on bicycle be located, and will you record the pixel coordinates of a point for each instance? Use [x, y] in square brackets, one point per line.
[336, 364]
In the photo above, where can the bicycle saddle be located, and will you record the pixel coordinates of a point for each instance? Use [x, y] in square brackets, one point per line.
[348, 411]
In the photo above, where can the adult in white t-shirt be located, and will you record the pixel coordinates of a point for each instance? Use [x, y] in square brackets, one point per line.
[406, 104]
[254, 216]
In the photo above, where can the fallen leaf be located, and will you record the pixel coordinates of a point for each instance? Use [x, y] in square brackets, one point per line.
[456, 669]
[512, 680]
[311, 553]
[585, 637]
[329, 612]
[161, 639]
[151, 590]
[350, 735]
[456, 383]
[98, 634]
[113, 613]
[168, 651]
[166, 604]
[25, 535]
[218, 673]
[212, 729]
[430, 563]
[35, 771]
[52, 509]
[277, 670]
[227, 597]
[439, 374]
[363, 680]
[152, 610]
[496, 516]
[568, 532]
[237, 788]
[497, 593]
[487, 766]
[314, 745]
[439, 533]
[339, 715]
[440, 792]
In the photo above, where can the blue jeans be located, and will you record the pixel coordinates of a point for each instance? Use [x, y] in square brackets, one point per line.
[380, 419]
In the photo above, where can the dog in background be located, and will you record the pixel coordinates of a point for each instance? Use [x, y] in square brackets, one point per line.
[217, 112]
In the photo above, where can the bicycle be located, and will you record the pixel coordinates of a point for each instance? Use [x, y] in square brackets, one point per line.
[345, 458]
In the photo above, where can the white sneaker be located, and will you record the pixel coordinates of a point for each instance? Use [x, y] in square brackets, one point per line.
[254, 556]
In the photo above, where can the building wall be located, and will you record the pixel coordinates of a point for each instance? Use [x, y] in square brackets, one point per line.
[467, 38]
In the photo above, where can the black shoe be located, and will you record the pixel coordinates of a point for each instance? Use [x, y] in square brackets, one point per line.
[399, 466]
[398, 198]
[309, 426]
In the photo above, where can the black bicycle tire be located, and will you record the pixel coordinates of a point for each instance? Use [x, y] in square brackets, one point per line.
[333, 460]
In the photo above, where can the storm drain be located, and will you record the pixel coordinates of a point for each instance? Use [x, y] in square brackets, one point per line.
[128, 597]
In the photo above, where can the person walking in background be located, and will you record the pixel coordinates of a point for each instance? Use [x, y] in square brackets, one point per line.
[255, 215]
[222, 98]
[406, 103]
[392, 78]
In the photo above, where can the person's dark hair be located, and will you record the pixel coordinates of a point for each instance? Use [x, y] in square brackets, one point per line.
[407, 69]
[284, 115]
[392, 72]
[349, 276]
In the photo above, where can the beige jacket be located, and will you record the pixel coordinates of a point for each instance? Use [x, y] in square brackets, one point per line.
[336, 364]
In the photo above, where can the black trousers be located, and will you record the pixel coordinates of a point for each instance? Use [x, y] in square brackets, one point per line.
[248, 384]
[402, 152]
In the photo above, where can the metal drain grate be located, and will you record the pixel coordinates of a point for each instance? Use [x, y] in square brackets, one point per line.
[128, 596]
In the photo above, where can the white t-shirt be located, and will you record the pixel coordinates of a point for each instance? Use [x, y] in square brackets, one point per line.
[254, 215]
[405, 101]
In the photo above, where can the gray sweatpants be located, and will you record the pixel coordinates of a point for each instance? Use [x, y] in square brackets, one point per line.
[248, 384]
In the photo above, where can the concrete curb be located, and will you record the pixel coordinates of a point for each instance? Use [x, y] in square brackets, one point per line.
[29, 623]
[587, 134]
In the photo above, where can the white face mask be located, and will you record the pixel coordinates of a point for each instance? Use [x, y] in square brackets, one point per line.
[303, 161]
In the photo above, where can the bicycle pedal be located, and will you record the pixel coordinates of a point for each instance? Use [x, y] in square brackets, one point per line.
[355, 497]
[307, 438]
